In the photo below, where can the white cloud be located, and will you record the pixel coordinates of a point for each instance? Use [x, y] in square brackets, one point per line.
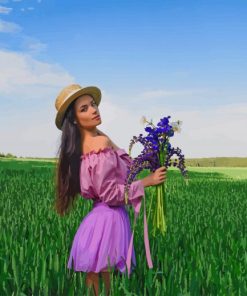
[168, 93]
[26, 9]
[205, 133]
[33, 45]
[5, 10]
[9, 27]
[218, 131]
[24, 75]
[30, 130]
[36, 47]
[212, 132]
[27, 125]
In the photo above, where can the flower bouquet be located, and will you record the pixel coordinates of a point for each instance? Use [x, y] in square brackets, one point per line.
[157, 152]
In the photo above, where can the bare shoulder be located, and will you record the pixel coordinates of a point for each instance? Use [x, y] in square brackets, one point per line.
[96, 144]
[101, 142]
[111, 143]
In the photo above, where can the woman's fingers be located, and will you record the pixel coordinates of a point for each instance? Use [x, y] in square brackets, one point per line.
[163, 175]
[162, 168]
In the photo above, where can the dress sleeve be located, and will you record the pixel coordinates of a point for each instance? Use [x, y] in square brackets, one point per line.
[104, 176]
[86, 186]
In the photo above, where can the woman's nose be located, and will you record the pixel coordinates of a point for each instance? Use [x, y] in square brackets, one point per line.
[94, 107]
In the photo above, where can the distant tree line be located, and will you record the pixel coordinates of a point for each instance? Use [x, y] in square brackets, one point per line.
[193, 162]
[217, 162]
[8, 155]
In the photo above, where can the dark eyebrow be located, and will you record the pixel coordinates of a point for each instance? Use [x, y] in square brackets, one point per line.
[86, 105]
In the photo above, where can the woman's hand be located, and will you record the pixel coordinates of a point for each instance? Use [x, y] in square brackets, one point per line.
[155, 178]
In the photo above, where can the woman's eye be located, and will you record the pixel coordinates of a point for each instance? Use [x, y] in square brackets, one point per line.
[93, 103]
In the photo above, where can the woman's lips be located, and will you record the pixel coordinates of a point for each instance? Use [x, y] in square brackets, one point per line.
[97, 118]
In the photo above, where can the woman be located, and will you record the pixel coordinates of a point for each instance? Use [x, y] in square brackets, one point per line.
[91, 165]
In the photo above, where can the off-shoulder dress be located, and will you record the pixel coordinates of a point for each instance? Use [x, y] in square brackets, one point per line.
[104, 235]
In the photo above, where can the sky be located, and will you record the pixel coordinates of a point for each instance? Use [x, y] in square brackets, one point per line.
[185, 59]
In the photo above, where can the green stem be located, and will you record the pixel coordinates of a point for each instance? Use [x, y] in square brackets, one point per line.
[158, 206]
[159, 221]
[150, 207]
[163, 209]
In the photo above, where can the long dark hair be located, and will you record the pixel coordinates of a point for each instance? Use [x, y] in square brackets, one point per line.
[68, 165]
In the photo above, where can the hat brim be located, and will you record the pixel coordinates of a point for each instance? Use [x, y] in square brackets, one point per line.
[90, 90]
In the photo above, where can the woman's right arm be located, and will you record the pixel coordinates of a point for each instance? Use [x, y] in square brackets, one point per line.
[154, 178]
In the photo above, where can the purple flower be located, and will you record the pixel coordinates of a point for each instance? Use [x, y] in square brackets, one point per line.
[157, 149]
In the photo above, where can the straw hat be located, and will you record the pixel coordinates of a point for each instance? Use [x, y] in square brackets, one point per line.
[69, 94]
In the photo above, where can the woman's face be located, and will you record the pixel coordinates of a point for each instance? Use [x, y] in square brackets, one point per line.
[85, 111]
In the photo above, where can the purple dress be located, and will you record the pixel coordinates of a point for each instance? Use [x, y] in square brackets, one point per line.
[104, 235]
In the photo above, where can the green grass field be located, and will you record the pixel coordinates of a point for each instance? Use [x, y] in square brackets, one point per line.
[235, 173]
[204, 251]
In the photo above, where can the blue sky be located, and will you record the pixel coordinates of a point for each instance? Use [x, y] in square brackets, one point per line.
[183, 57]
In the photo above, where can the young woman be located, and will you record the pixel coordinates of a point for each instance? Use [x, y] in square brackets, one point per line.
[91, 165]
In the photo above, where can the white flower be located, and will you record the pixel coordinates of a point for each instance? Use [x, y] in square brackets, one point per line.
[143, 120]
[176, 126]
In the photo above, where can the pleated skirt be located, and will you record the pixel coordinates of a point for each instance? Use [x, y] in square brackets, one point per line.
[101, 241]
